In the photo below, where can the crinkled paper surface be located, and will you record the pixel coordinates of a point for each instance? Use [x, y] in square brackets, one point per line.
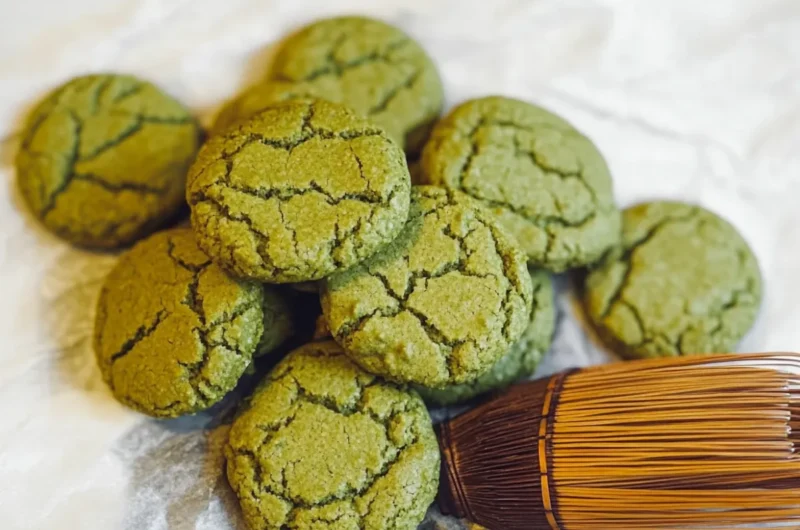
[687, 99]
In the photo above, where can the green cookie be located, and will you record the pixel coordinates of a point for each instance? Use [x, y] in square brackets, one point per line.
[103, 159]
[520, 360]
[297, 192]
[279, 321]
[683, 282]
[369, 66]
[324, 445]
[441, 303]
[173, 332]
[545, 181]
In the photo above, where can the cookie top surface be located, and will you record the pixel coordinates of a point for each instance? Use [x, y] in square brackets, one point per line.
[521, 358]
[259, 97]
[174, 332]
[325, 445]
[103, 159]
[441, 303]
[369, 66]
[297, 192]
[684, 281]
[546, 182]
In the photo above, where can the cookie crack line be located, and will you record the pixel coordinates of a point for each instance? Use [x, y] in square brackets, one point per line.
[263, 239]
[193, 300]
[349, 492]
[732, 303]
[74, 158]
[141, 333]
[306, 130]
[542, 221]
[332, 66]
[188, 266]
[303, 396]
[136, 127]
[511, 288]
[392, 94]
[194, 370]
[130, 92]
[287, 193]
[114, 187]
[100, 89]
[71, 158]
[437, 336]
[288, 144]
[627, 255]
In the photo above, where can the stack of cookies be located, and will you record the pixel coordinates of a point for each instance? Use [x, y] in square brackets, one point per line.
[437, 291]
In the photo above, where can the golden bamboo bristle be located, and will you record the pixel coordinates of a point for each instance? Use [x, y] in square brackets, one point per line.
[692, 442]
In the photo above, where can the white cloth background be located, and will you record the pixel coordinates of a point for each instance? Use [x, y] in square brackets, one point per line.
[688, 99]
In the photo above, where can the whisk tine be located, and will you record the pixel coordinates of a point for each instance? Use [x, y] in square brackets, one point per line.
[691, 442]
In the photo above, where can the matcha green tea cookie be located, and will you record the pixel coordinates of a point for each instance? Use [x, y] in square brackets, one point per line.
[279, 321]
[103, 159]
[441, 303]
[545, 181]
[520, 360]
[299, 191]
[372, 67]
[683, 282]
[325, 445]
[173, 332]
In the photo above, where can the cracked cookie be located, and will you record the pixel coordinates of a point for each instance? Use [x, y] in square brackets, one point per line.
[683, 282]
[546, 182]
[441, 303]
[370, 66]
[520, 360]
[297, 192]
[173, 332]
[325, 445]
[103, 159]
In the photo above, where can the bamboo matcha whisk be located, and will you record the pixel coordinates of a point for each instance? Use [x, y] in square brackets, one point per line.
[692, 442]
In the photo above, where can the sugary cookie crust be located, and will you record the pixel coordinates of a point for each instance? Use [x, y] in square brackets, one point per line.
[173, 332]
[103, 159]
[299, 191]
[683, 282]
[546, 182]
[441, 303]
[521, 358]
[371, 67]
[326, 445]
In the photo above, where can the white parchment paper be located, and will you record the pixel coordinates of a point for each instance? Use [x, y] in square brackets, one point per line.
[688, 99]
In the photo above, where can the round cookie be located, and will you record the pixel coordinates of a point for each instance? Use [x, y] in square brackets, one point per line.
[520, 360]
[546, 182]
[325, 445]
[103, 159]
[683, 282]
[299, 191]
[369, 66]
[441, 303]
[173, 331]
